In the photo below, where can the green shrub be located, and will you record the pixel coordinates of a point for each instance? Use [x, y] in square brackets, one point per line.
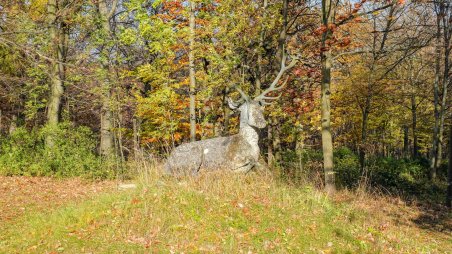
[346, 166]
[72, 153]
[396, 175]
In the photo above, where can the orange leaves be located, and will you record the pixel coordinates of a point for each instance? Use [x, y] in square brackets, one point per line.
[357, 5]
[320, 30]
[344, 42]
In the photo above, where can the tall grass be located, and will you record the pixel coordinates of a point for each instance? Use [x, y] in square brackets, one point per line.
[212, 213]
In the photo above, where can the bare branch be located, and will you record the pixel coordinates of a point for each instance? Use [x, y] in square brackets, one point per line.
[113, 9]
[352, 16]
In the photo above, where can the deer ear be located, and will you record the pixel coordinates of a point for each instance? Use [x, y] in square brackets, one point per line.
[233, 105]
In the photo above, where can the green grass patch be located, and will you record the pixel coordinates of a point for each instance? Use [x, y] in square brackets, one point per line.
[219, 214]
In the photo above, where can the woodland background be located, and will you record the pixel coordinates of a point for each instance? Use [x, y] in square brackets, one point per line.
[88, 85]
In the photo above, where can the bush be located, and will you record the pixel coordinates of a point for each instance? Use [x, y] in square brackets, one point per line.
[346, 165]
[402, 176]
[72, 154]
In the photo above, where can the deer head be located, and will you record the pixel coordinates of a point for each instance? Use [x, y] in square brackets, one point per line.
[252, 110]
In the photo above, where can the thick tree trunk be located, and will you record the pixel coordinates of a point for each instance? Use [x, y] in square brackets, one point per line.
[328, 13]
[58, 37]
[106, 114]
[191, 57]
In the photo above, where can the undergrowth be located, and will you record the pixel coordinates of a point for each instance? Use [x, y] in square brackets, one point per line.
[73, 153]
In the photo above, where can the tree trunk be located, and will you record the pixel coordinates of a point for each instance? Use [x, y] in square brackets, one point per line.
[328, 13]
[191, 57]
[57, 34]
[12, 125]
[414, 125]
[449, 172]
[445, 83]
[136, 140]
[259, 78]
[435, 139]
[277, 140]
[406, 148]
[226, 112]
[282, 35]
[270, 143]
[362, 148]
[106, 114]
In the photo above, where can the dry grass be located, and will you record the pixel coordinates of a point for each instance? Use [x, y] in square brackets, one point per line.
[228, 213]
[19, 195]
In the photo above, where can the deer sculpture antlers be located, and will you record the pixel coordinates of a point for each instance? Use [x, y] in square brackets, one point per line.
[240, 152]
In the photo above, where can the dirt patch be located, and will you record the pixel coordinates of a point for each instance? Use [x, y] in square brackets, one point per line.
[21, 194]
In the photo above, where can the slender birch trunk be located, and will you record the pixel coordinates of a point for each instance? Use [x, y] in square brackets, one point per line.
[191, 57]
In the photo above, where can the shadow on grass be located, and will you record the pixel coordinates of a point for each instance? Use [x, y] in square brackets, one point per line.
[436, 218]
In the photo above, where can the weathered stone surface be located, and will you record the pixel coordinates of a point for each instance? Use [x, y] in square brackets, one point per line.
[239, 152]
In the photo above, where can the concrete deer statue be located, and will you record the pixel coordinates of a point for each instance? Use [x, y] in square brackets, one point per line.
[240, 152]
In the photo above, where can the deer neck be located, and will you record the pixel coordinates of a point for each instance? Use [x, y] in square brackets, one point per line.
[250, 135]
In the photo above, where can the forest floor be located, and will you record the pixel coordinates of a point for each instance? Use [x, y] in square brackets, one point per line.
[211, 214]
[22, 195]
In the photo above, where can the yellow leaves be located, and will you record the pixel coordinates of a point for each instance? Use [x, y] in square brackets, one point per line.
[38, 9]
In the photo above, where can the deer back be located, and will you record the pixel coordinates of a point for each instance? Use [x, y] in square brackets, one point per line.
[223, 153]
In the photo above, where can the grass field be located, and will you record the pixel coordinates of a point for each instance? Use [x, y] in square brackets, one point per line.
[227, 213]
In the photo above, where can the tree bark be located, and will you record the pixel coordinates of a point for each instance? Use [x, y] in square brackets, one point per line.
[58, 37]
[226, 112]
[191, 57]
[277, 140]
[328, 13]
[445, 80]
[270, 156]
[406, 148]
[12, 125]
[106, 114]
[435, 139]
[259, 78]
[449, 172]
[362, 148]
[282, 35]
[414, 125]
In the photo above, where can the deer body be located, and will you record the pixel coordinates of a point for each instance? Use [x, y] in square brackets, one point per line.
[238, 152]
